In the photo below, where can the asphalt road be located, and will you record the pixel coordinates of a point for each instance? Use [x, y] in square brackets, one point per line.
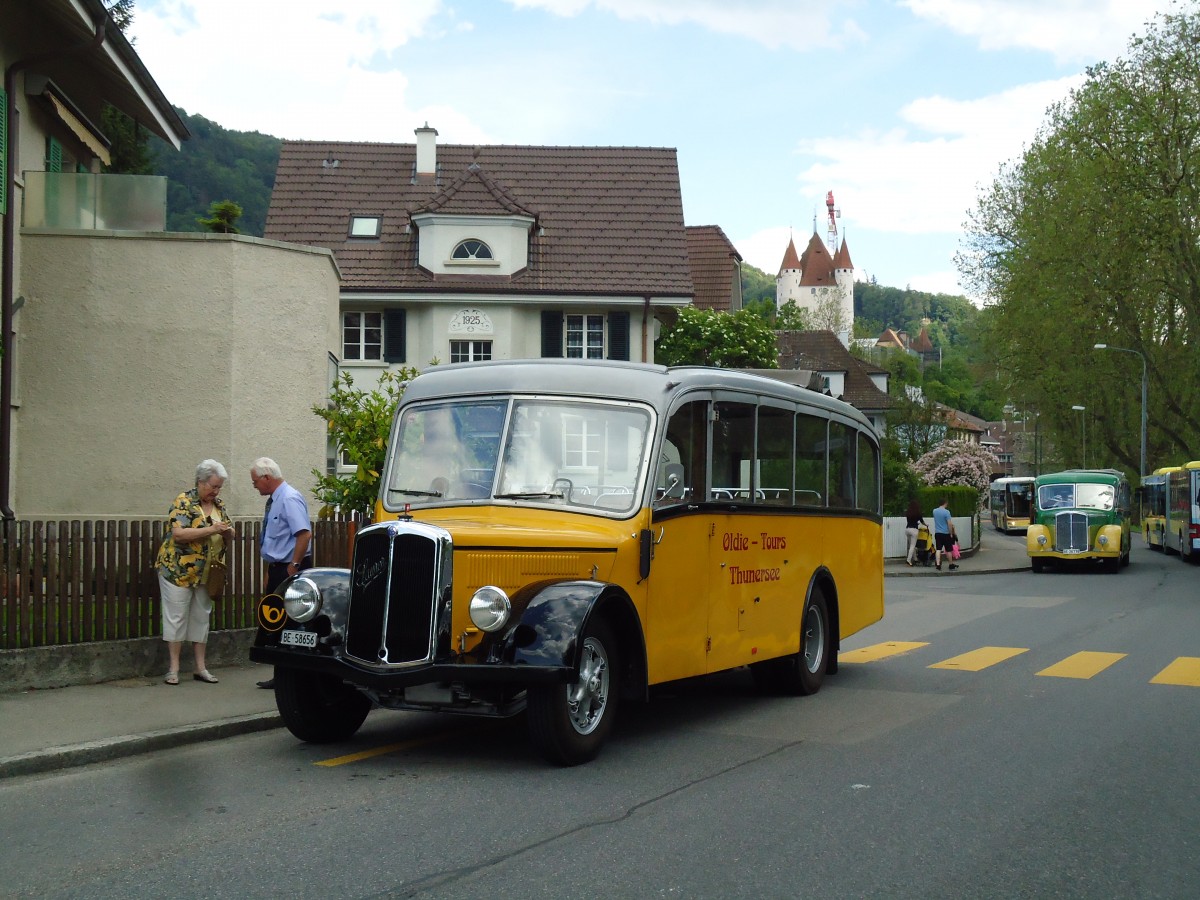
[1003, 735]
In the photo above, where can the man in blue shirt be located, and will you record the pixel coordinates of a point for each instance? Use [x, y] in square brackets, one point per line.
[943, 532]
[286, 529]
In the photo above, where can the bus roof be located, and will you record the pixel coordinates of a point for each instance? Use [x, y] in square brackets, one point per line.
[1166, 470]
[609, 380]
[1082, 476]
[1013, 479]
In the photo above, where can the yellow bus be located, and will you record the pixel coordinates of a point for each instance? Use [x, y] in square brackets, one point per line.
[1181, 531]
[1011, 503]
[557, 537]
[1152, 499]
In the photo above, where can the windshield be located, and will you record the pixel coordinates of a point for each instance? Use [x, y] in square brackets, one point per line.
[1076, 496]
[582, 453]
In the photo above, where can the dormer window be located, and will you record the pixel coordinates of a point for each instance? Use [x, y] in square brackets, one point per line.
[365, 226]
[471, 249]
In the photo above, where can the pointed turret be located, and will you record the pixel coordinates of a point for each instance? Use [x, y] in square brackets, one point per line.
[791, 260]
[842, 259]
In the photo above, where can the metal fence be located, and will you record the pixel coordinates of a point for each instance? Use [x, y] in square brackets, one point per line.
[76, 581]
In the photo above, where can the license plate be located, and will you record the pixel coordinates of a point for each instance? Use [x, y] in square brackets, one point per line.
[298, 639]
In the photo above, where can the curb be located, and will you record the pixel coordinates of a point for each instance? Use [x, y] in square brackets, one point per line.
[934, 572]
[54, 758]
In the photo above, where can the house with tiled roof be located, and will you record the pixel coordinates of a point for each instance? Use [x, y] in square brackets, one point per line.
[716, 269]
[837, 372]
[461, 253]
[820, 282]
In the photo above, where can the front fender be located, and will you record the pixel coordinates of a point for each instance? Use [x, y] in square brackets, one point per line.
[334, 585]
[1032, 547]
[548, 632]
[1116, 537]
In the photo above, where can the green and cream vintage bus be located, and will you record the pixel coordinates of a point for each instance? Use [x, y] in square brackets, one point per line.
[1080, 515]
[556, 537]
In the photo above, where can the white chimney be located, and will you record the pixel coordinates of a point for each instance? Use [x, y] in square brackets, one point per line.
[426, 150]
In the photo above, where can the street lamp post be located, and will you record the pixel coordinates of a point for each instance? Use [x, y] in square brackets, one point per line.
[1142, 470]
[1083, 429]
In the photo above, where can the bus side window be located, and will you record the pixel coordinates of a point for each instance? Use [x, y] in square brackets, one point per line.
[683, 454]
[810, 460]
[774, 466]
[841, 464]
[732, 448]
[868, 474]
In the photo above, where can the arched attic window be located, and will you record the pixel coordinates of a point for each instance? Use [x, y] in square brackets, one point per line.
[471, 249]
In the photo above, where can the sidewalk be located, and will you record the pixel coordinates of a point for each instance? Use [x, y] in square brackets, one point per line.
[45, 730]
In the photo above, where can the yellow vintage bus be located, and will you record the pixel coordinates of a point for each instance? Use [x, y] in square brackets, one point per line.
[556, 537]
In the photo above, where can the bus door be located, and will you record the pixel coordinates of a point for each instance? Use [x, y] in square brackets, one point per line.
[753, 613]
[684, 528]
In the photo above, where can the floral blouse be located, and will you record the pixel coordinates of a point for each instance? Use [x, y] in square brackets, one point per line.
[184, 564]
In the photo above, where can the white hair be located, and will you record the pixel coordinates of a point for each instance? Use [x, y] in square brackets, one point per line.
[209, 469]
[264, 465]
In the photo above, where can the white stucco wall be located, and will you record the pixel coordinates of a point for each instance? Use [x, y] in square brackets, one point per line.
[138, 355]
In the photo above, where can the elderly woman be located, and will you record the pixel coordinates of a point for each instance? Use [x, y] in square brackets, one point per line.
[199, 529]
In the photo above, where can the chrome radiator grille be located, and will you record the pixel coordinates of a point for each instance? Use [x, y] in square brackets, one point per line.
[400, 571]
[1071, 532]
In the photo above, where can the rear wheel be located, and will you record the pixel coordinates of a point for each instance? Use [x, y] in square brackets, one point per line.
[318, 708]
[803, 672]
[569, 724]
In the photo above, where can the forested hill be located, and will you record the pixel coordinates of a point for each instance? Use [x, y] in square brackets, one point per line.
[217, 164]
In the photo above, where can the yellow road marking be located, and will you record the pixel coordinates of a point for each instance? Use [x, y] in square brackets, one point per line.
[879, 651]
[980, 659]
[393, 748]
[1185, 670]
[1083, 665]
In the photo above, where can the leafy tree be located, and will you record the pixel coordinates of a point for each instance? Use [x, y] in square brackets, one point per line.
[958, 462]
[900, 482]
[793, 317]
[359, 422]
[222, 216]
[914, 424]
[706, 337]
[1091, 236]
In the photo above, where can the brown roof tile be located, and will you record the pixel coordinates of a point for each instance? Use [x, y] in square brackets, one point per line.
[610, 219]
[715, 271]
[821, 351]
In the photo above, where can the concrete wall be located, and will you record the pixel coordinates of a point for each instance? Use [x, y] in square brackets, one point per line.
[895, 541]
[140, 354]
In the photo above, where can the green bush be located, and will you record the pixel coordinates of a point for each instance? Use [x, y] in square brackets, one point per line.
[964, 500]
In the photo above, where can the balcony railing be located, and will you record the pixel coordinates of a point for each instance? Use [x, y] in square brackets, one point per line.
[95, 202]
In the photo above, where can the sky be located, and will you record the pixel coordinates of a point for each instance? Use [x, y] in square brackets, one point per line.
[904, 109]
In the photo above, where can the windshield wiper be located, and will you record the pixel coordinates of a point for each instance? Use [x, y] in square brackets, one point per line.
[528, 495]
[413, 492]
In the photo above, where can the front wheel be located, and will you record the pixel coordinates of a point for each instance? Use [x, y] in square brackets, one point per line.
[318, 708]
[569, 724]
[1037, 563]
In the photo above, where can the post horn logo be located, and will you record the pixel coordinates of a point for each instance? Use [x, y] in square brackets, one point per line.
[271, 614]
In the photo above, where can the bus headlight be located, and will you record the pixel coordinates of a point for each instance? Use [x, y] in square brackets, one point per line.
[1041, 540]
[302, 600]
[490, 608]
[1103, 541]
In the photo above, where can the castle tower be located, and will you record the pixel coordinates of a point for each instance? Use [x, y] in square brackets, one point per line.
[821, 283]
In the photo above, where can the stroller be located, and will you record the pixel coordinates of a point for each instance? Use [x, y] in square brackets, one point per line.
[924, 552]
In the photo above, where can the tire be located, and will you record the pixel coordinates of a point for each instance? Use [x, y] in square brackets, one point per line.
[1037, 563]
[801, 673]
[318, 708]
[1112, 565]
[568, 724]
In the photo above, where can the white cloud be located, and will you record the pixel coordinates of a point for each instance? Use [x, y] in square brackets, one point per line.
[902, 181]
[310, 74]
[797, 24]
[1072, 31]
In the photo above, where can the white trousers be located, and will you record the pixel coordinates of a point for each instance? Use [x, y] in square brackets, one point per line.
[185, 611]
[912, 542]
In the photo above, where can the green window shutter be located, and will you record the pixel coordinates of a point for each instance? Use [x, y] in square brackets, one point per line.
[618, 335]
[53, 155]
[552, 334]
[3, 151]
[394, 336]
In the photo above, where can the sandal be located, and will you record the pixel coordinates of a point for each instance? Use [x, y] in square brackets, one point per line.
[171, 678]
[206, 676]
